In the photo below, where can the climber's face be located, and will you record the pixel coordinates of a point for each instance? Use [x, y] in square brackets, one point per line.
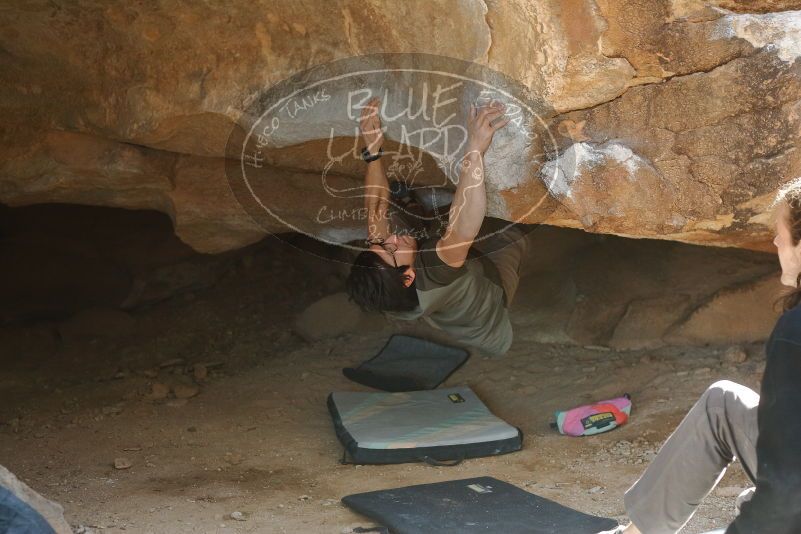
[789, 252]
[398, 250]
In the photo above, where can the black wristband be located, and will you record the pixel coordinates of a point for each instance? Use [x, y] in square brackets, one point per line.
[366, 156]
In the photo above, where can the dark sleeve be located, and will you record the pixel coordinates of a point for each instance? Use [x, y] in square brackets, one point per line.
[776, 505]
[430, 270]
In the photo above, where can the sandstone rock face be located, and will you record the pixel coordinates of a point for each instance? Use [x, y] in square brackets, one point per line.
[674, 119]
[630, 295]
[741, 313]
[332, 316]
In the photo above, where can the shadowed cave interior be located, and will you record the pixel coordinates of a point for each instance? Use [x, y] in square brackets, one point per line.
[208, 373]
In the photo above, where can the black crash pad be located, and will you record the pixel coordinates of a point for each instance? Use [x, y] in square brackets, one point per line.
[408, 363]
[474, 505]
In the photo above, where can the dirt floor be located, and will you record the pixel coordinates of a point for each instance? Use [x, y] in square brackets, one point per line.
[253, 434]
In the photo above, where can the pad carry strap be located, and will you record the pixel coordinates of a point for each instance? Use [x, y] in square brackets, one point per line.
[427, 459]
[441, 463]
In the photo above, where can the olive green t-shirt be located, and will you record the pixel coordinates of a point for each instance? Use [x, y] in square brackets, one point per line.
[467, 302]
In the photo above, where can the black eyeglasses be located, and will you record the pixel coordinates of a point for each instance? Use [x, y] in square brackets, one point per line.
[389, 248]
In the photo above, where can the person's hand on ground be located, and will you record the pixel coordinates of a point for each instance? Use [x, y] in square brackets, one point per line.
[480, 127]
[370, 126]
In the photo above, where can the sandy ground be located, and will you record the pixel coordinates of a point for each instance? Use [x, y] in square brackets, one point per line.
[257, 438]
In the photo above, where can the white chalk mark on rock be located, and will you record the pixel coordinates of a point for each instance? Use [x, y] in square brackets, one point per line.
[779, 31]
[559, 174]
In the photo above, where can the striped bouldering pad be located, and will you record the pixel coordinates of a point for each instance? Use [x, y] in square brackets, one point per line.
[435, 426]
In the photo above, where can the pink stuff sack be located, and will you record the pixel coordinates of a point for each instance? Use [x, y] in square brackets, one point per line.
[594, 418]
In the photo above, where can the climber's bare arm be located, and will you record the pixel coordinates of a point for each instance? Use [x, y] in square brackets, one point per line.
[376, 194]
[469, 204]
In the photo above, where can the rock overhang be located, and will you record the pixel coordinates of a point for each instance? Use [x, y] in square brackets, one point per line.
[681, 130]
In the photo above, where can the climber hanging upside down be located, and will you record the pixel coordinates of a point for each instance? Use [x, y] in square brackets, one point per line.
[454, 282]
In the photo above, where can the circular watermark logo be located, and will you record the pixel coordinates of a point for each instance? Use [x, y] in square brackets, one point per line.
[296, 163]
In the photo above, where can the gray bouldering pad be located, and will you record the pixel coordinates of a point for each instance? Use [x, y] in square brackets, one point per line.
[432, 426]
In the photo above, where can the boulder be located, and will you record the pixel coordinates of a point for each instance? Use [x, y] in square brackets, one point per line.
[640, 294]
[741, 314]
[735, 355]
[332, 316]
[647, 320]
[675, 120]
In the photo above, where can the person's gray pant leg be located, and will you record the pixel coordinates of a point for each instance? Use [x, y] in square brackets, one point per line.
[720, 427]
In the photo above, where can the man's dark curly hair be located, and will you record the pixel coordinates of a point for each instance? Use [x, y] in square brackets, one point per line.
[376, 286]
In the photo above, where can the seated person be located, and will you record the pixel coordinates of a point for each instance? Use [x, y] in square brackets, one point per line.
[453, 282]
[732, 421]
